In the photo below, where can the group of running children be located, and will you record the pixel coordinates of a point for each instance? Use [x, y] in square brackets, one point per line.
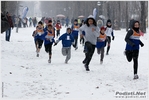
[92, 38]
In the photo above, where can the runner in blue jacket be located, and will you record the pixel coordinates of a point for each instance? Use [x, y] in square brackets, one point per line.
[38, 37]
[67, 41]
[101, 43]
[49, 40]
[132, 46]
[75, 30]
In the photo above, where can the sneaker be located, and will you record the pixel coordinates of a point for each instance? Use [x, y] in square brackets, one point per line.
[49, 61]
[84, 62]
[76, 48]
[66, 62]
[136, 76]
[86, 67]
[101, 62]
[37, 55]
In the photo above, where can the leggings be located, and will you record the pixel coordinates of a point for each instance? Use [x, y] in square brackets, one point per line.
[90, 51]
[109, 42]
[48, 48]
[133, 55]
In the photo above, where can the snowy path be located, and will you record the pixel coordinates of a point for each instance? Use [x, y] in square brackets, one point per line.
[26, 76]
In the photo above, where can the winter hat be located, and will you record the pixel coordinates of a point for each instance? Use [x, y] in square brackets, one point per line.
[75, 20]
[108, 21]
[102, 28]
[50, 21]
[91, 16]
[82, 21]
[58, 20]
[135, 21]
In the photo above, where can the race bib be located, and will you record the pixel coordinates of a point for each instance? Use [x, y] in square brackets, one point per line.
[49, 37]
[39, 33]
[68, 37]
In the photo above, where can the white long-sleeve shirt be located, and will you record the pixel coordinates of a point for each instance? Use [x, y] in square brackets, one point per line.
[109, 31]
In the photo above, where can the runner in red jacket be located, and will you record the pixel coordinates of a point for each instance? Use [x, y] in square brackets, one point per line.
[58, 27]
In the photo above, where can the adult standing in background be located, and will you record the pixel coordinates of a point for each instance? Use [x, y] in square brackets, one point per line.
[34, 21]
[30, 22]
[8, 31]
[67, 21]
[100, 23]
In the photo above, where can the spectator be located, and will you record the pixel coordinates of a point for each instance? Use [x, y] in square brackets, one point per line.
[8, 31]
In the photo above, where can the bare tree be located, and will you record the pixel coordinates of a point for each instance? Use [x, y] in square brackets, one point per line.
[127, 16]
[143, 17]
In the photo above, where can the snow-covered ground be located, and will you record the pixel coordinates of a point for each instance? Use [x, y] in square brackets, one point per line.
[26, 76]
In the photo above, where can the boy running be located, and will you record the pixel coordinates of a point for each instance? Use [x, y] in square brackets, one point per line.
[101, 43]
[67, 40]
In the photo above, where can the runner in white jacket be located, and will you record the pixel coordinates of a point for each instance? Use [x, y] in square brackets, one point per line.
[109, 33]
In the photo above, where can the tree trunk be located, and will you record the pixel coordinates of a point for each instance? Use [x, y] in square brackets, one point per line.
[143, 17]
[127, 16]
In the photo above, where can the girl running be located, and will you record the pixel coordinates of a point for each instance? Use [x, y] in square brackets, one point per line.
[132, 47]
[39, 37]
[48, 41]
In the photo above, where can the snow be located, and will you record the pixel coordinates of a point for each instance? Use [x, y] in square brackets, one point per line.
[26, 76]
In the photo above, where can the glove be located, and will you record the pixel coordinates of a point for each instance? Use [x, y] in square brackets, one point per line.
[113, 38]
[73, 45]
[142, 44]
[55, 44]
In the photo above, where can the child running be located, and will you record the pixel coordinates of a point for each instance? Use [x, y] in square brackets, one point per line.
[109, 33]
[49, 23]
[58, 27]
[101, 43]
[34, 34]
[75, 30]
[67, 41]
[39, 37]
[132, 47]
[48, 41]
[91, 34]
[81, 37]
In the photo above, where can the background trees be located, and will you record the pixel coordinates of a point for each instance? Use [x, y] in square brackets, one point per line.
[122, 11]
